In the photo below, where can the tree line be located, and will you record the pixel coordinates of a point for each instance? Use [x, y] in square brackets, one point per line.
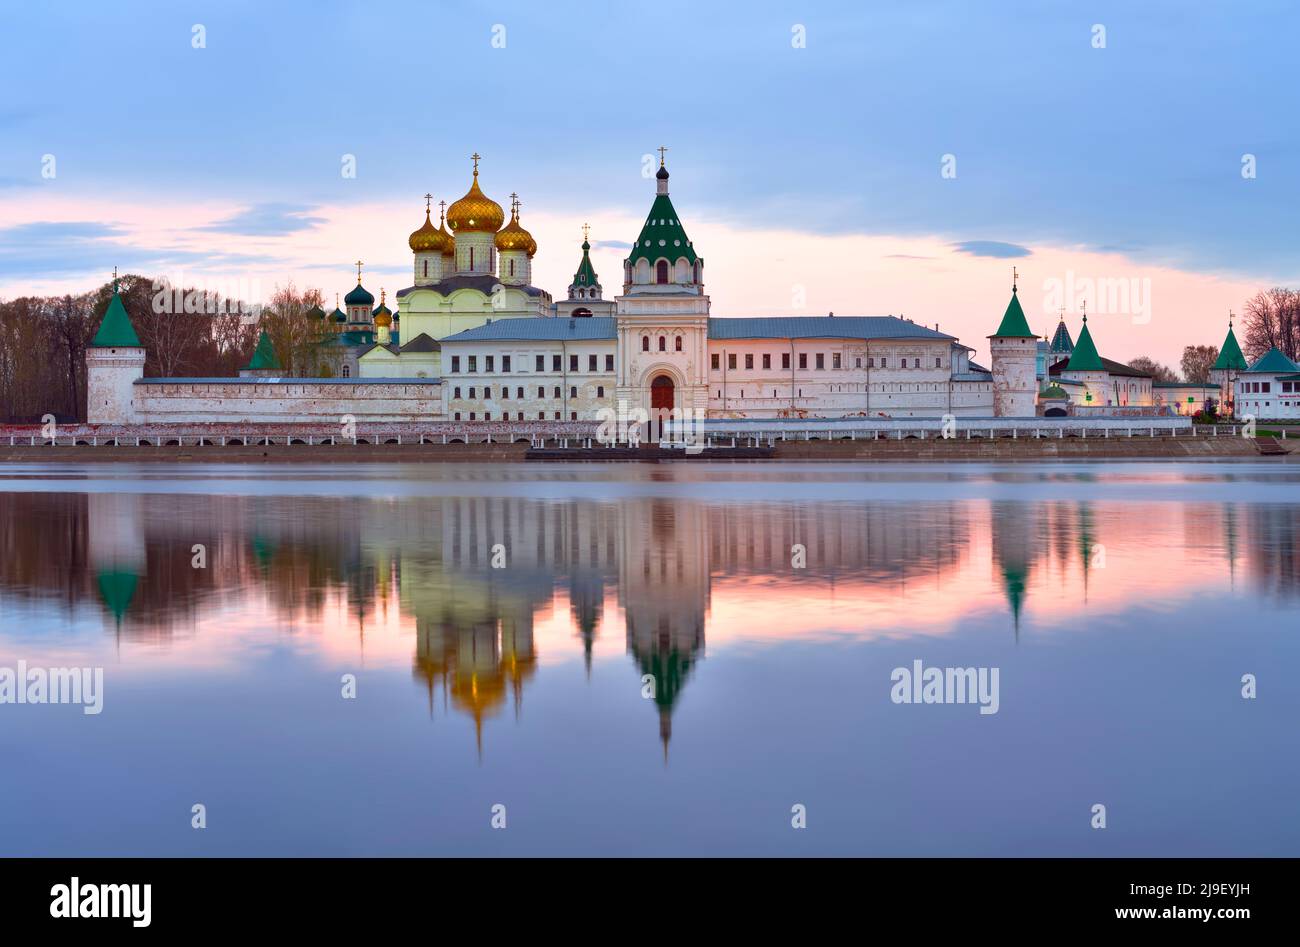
[185, 333]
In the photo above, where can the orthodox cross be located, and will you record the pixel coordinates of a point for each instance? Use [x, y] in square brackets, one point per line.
[1229, 311]
[1015, 277]
[428, 200]
[442, 210]
[476, 157]
[514, 203]
[661, 151]
[358, 272]
[586, 231]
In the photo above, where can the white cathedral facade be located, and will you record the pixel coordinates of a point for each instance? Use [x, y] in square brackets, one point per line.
[475, 341]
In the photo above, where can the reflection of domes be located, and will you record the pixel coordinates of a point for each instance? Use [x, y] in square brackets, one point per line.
[475, 212]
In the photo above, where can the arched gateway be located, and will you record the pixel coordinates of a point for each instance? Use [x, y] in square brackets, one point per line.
[661, 394]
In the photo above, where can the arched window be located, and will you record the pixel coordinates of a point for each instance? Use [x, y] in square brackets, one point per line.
[661, 271]
[347, 371]
[677, 343]
[426, 267]
[645, 343]
[512, 267]
[471, 258]
[663, 343]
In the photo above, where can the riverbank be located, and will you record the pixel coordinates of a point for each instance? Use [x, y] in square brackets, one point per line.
[891, 451]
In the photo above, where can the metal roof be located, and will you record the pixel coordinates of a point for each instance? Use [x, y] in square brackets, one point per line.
[820, 327]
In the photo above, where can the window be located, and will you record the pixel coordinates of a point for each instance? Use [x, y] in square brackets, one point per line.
[573, 391]
[456, 393]
[347, 371]
[1264, 387]
[541, 363]
[541, 415]
[471, 259]
[767, 360]
[803, 359]
[857, 363]
[645, 343]
[600, 391]
[519, 416]
[661, 271]
[557, 415]
[487, 415]
[715, 361]
[519, 393]
[883, 361]
[785, 359]
[426, 267]
[573, 415]
[749, 362]
[512, 267]
[1286, 387]
[541, 391]
[471, 415]
[677, 344]
[835, 360]
[505, 391]
[488, 362]
[821, 361]
[557, 394]
[457, 415]
[663, 343]
[555, 363]
[731, 361]
[473, 363]
[609, 363]
[573, 363]
[938, 362]
[505, 363]
[591, 363]
[471, 392]
[916, 363]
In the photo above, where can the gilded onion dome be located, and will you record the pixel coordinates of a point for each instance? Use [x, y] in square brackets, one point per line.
[448, 241]
[383, 316]
[426, 239]
[475, 212]
[514, 237]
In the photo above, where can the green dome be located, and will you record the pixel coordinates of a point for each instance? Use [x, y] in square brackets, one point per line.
[339, 315]
[315, 312]
[359, 297]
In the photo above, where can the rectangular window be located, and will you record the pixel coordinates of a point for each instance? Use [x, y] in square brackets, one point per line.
[609, 363]
[767, 359]
[505, 391]
[600, 391]
[541, 415]
[938, 362]
[455, 393]
[803, 359]
[541, 391]
[455, 364]
[835, 360]
[473, 363]
[471, 392]
[505, 363]
[471, 416]
[749, 361]
[573, 415]
[573, 391]
[884, 362]
[716, 361]
[519, 393]
[541, 363]
[591, 363]
[557, 394]
[555, 363]
[785, 359]
[557, 415]
[457, 415]
[1265, 387]
[916, 363]
[488, 362]
[731, 362]
[487, 415]
[573, 363]
[857, 363]
[821, 361]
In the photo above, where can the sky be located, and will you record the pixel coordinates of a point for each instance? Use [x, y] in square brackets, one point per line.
[856, 158]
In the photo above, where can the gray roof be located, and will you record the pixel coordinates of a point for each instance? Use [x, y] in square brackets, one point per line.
[533, 329]
[422, 343]
[287, 381]
[820, 327]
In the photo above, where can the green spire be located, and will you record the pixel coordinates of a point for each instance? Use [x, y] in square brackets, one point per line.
[586, 275]
[264, 355]
[1014, 324]
[115, 330]
[662, 234]
[1084, 358]
[1230, 357]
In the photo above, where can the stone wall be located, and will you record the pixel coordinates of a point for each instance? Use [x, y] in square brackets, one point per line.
[285, 400]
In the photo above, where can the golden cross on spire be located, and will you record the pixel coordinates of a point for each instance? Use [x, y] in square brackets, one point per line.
[442, 211]
[1229, 313]
[514, 203]
[586, 232]
[476, 157]
[428, 200]
[1015, 278]
[661, 149]
[359, 272]
[1085, 310]
[1062, 311]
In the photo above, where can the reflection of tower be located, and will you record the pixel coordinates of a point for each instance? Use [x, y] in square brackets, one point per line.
[1014, 540]
[664, 591]
[586, 598]
[478, 683]
[116, 547]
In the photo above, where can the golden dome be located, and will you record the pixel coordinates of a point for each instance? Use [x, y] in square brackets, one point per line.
[427, 238]
[475, 212]
[514, 237]
[448, 241]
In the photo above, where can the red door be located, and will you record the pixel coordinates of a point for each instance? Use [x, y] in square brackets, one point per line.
[661, 394]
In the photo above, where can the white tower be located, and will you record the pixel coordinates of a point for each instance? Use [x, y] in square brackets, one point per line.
[1013, 350]
[114, 360]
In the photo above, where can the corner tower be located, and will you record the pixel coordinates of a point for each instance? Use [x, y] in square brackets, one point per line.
[1013, 350]
[1227, 367]
[114, 360]
[586, 297]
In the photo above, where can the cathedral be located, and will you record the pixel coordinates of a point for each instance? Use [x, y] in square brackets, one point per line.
[472, 339]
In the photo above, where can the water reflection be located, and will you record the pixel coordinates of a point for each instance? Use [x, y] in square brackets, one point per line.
[477, 592]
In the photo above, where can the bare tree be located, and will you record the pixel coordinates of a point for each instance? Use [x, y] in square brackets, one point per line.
[1272, 319]
[1153, 368]
[294, 334]
[1197, 362]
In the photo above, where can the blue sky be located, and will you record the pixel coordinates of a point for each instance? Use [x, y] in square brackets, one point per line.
[1135, 148]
